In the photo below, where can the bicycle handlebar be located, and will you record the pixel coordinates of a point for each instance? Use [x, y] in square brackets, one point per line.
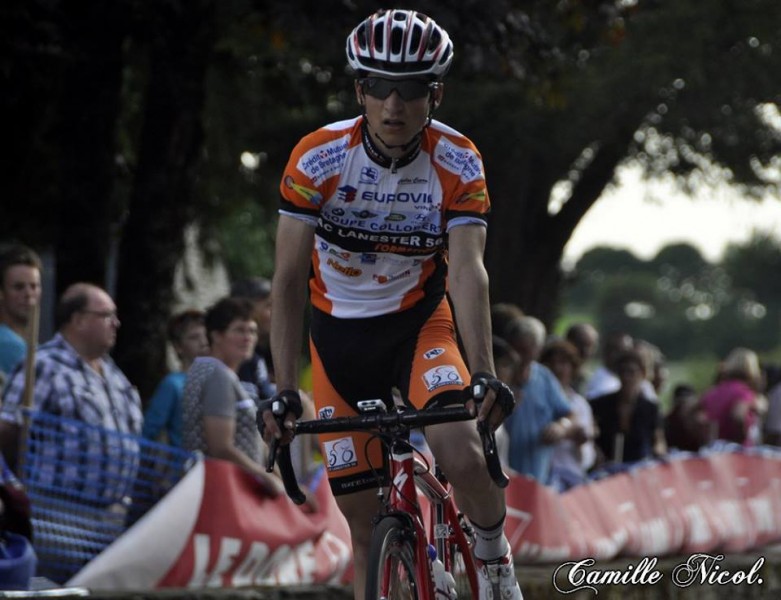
[383, 421]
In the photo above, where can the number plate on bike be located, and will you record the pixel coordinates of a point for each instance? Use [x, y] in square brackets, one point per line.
[441, 531]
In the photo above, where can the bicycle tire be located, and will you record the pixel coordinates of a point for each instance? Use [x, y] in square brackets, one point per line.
[391, 572]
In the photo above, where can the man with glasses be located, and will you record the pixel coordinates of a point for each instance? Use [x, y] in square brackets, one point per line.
[388, 212]
[75, 377]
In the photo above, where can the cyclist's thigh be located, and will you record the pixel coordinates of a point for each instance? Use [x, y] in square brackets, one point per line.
[353, 460]
[438, 372]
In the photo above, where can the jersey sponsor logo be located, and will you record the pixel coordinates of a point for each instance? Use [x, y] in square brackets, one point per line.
[397, 249]
[322, 162]
[460, 161]
[369, 258]
[441, 376]
[346, 193]
[389, 278]
[402, 197]
[364, 214]
[338, 253]
[412, 180]
[340, 454]
[311, 196]
[395, 217]
[324, 247]
[369, 175]
[326, 412]
[476, 196]
[346, 271]
[338, 212]
[433, 353]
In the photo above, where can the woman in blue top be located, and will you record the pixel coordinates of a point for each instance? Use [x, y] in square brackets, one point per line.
[187, 334]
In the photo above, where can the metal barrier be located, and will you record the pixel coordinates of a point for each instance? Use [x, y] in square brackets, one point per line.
[87, 486]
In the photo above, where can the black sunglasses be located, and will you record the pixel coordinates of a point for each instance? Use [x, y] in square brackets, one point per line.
[408, 89]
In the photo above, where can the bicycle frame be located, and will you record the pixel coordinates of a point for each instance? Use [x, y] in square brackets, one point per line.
[408, 475]
[442, 512]
[402, 500]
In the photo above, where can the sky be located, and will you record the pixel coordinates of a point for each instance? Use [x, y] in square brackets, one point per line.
[643, 217]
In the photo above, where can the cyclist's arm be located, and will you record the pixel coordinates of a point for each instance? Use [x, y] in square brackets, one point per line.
[294, 243]
[468, 288]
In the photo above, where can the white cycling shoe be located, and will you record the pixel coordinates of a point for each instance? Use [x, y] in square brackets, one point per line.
[496, 579]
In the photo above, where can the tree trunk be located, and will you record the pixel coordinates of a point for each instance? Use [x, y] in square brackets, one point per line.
[524, 262]
[162, 200]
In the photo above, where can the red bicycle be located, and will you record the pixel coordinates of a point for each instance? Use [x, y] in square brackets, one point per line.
[409, 556]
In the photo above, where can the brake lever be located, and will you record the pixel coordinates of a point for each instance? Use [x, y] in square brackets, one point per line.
[272, 455]
[493, 464]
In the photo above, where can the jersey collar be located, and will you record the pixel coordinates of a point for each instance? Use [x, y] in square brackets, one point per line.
[381, 159]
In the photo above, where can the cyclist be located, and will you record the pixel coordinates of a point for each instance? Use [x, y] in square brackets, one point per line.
[379, 214]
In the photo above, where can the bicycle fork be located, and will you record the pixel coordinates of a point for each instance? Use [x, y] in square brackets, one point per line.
[402, 501]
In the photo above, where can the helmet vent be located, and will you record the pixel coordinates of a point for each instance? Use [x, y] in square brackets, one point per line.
[415, 39]
[378, 39]
[396, 39]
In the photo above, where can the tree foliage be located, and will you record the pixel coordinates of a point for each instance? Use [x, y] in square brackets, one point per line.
[681, 302]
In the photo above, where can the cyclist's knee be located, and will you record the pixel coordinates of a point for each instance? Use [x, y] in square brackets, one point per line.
[461, 462]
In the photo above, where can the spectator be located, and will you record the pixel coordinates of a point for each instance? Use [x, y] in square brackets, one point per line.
[734, 405]
[543, 417]
[629, 424]
[258, 370]
[686, 425]
[585, 337]
[773, 419]
[571, 461]
[75, 377]
[187, 335]
[655, 368]
[502, 314]
[605, 380]
[218, 412]
[20, 291]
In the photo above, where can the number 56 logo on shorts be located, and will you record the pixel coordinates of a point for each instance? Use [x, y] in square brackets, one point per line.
[441, 375]
[340, 454]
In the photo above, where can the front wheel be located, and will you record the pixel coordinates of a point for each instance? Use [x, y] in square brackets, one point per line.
[391, 573]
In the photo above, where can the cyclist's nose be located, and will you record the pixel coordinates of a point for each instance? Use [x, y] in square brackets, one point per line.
[394, 102]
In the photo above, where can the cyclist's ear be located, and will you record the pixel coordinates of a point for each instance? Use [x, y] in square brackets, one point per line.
[359, 93]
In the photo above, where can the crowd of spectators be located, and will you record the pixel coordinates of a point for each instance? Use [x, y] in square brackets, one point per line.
[206, 403]
[606, 409]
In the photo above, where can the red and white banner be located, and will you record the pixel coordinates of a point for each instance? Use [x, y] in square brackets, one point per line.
[216, 528]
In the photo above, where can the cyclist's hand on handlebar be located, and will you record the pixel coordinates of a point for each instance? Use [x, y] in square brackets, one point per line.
[277, 416]
[495, 397]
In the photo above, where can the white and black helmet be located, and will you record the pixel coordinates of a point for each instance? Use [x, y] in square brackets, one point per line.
[399, 43]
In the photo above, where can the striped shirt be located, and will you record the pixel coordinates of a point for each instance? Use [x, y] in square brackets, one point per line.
[66, 386]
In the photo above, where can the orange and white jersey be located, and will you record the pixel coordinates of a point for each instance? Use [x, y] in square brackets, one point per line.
[381, 225]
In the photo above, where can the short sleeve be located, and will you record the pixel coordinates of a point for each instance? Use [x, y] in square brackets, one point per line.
[218, 394]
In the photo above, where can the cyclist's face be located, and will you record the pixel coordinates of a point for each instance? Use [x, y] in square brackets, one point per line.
[395, 119]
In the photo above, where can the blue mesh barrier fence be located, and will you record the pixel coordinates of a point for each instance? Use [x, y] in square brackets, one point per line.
[87, 486]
